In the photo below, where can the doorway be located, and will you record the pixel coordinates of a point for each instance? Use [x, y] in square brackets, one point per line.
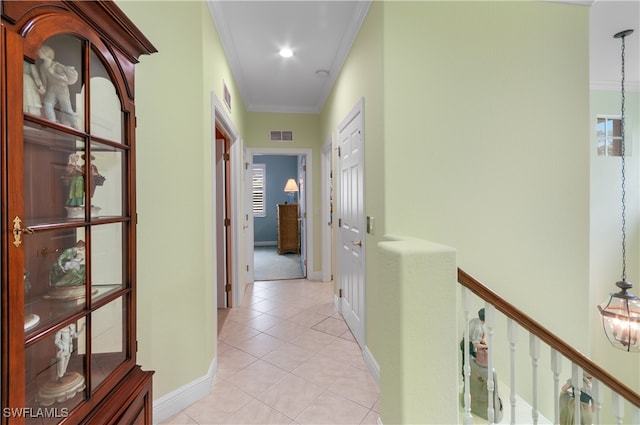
[280, 165]
[223, 218]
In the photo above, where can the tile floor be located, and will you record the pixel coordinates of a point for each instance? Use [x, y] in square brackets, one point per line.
[287, 357]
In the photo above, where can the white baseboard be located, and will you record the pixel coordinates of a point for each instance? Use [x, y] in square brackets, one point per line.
[266, 243]
[372, 364]
[314, 276]
[174, 402]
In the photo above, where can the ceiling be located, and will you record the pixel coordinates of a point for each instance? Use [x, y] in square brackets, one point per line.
[320, 33]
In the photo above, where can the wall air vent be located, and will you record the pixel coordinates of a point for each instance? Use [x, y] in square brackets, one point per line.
[281, 136]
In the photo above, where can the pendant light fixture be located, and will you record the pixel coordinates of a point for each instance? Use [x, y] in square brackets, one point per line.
[621, 314]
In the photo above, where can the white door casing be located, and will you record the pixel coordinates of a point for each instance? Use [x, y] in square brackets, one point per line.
[247, 227]
[302, 211]
[351, 221]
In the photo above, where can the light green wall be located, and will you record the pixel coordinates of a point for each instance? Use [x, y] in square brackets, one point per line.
[486, 122]
[306, 132]
[606, 222]
[361, 77]
[479, 131]
[176, 289]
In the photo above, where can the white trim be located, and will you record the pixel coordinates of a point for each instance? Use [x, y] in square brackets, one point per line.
[372, 364]
[308, 195]
[629, 86]
[325, 191]
[221, 117]
[174, 402]
[265, 243]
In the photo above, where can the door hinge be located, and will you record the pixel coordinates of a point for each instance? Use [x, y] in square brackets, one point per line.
[136, 346]
[305, 263]
[227, 222]
[340, 293]
[225, 156]
[339, 222]
[227, 287]
[247, 267]
[339, 152]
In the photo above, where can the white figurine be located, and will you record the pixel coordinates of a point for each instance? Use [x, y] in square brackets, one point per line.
[32, 89]
[57, 78]
[64, 342]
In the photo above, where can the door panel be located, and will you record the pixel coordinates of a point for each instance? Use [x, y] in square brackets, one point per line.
[351, 253]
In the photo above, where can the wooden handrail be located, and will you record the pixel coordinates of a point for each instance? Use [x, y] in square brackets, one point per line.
[549, 338]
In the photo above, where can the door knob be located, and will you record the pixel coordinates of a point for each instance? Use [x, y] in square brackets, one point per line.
[359, 243]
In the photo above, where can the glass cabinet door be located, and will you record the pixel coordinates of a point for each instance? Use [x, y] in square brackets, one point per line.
[76, 226]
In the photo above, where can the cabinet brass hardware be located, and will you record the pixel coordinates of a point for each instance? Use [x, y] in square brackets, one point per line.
[45, 251]
[18, 231]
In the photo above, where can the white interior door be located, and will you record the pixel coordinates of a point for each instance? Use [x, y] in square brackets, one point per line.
[302, 210]
[351, 252]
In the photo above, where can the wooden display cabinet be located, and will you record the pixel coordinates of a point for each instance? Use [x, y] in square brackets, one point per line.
[68, 248]
[288, 229]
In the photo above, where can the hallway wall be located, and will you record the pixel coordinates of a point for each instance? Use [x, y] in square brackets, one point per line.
[492, 108]
[176, 266]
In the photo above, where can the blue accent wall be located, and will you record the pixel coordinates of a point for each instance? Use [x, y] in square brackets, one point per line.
[279, 168]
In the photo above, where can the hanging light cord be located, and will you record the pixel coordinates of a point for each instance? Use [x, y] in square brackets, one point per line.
[622, 151]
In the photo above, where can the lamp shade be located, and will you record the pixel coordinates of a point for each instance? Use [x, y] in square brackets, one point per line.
[621, 319]
[291, 186]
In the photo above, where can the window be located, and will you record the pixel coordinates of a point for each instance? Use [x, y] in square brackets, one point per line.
[259, 190]
[609, 137]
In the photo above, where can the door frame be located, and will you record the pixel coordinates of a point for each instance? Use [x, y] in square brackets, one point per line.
[221, 118]
[327, 204]
[308, 197]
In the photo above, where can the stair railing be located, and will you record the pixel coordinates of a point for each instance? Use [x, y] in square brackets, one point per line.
[581, 365]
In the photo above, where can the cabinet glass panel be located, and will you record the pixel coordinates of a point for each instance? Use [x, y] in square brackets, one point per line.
[59, 69]
[106, 110]
[108, 336]
[54, 276]
[107, 180]
[107, 259]
[55, 374]
[53, 176]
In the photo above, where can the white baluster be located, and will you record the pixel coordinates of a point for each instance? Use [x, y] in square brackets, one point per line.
[576, 382]
[534, 352]
[512, 332]
[618, 408]
[636, 415]
[596, 393]
[467, 418]
[489, 320]
[556, 368]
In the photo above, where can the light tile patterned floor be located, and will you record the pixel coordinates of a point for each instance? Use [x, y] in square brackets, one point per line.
[287, 357]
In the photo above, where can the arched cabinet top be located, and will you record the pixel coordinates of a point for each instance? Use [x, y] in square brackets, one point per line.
[105, 17]
[112, 35]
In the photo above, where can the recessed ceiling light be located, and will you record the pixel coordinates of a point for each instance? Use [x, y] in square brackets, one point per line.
[286, 52]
